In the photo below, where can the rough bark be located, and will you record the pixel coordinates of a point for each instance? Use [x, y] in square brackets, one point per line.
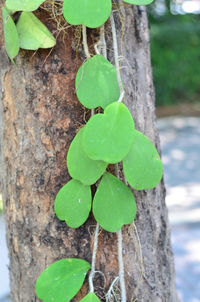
[39, 116]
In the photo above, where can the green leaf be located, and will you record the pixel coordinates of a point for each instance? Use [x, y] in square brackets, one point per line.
[88, 12]
[96, 83]
[80, 166]
[109, 136]
[10, 35]
[142, 166]
[114, 204]
[23, 5]
[33, 34]
[91, 297]
[73, 203]
[139, 2]
[61, 281]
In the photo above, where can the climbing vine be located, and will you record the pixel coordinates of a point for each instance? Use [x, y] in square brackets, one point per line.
[107, 138]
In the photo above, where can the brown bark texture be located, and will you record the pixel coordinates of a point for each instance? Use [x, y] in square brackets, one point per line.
[39, 116]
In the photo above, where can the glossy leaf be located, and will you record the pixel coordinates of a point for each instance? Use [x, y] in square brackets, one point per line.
[91, 297]
[96, 83]
[114, 204]
[10, 35]
[88, 12]
[109, 136]
[139, 2]
[142, 166]
[33, 34]
[80, 166]
[23, 5]
[61, 281]
[73, 203]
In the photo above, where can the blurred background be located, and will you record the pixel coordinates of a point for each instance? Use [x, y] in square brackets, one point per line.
[175, 50]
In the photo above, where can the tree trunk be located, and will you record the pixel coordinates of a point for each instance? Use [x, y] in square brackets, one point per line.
[39, 116]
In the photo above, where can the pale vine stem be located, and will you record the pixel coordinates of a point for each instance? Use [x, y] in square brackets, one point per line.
[85, 44]
[116, 56]
[96, 234]
[94, 253]
[121, 266]
[119, 233]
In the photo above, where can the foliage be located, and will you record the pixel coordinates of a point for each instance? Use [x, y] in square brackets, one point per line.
[107, 138]
[142, 165]
[10, 35]
[113, 204]
[26, 6]
[29, 33]
[175, 44]
[80, 166]
[32, 32]
[99, 73]
[61, 280]
[73, 203]
[91, 297]
[89, 13]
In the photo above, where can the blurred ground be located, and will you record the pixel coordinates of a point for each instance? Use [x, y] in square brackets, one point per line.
[180, 139]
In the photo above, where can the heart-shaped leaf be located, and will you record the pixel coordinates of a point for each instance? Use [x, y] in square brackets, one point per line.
[10, 35]
[80, 166]
[139, 2]
[23, 5]
[33, 34]
[61, 280]
[109, 136]
[91, 297]
[142, 166]
[96, 83]
[114, 204]
[73, 203]
[88, 12]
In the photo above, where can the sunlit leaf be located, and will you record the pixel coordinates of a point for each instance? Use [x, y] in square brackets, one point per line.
[114, 204]
[33, 34]
[23, 5]
[61, 281]
[96, 83]
[88, 12]
[80, 166]
[139, 2]
[109, 136]
[91, 297]
[10, 35]
[142, 166]
[73, 203]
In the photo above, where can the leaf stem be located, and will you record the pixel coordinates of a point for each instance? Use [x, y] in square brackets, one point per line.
[85, 44]
[122, 92]
[121, 266]
[101, 43]
[94, 253]
[116, 56]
